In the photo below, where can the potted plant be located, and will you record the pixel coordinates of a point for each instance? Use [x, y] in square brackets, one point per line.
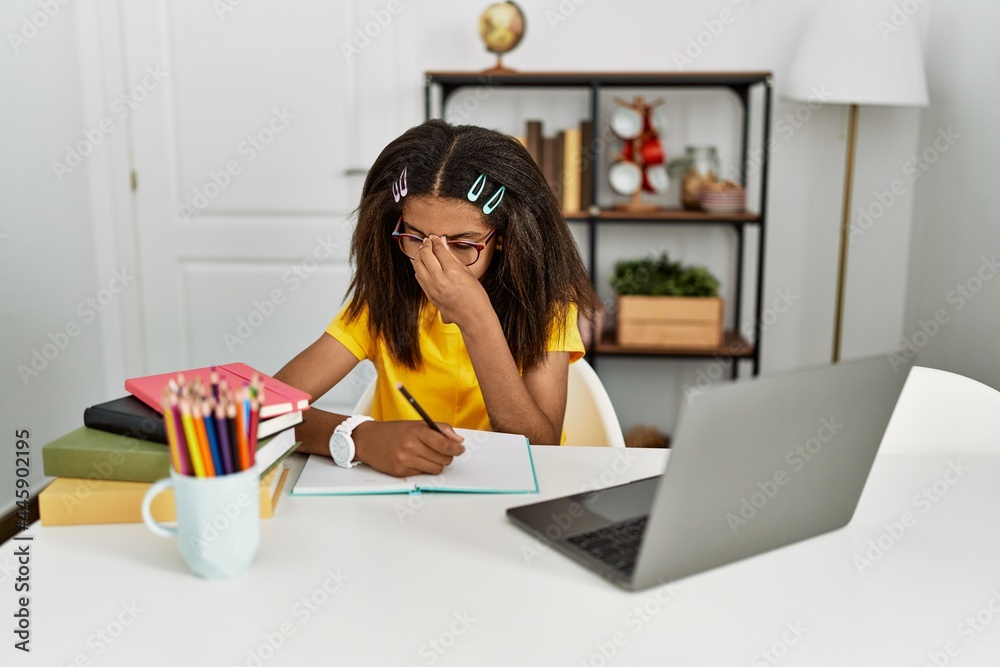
[664, 304]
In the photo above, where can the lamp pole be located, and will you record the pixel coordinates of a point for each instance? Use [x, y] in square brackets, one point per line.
[845, 231]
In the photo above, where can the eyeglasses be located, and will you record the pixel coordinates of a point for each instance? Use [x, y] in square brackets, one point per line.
[466, 252]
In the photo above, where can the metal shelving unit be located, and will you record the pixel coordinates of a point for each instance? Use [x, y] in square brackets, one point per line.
[734, 346]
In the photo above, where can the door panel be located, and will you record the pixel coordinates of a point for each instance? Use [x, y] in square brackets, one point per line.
[241, 147]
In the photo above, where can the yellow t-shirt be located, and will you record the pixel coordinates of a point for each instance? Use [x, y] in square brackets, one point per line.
[446, 384]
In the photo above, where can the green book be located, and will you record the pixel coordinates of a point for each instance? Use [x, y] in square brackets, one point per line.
[94, 454]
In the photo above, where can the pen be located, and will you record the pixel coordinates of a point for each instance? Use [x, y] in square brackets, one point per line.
[416, 406]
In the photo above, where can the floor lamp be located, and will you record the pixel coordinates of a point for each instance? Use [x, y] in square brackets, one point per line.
[851, 53]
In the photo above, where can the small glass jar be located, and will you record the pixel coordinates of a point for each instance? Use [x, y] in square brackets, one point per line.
[699, 165]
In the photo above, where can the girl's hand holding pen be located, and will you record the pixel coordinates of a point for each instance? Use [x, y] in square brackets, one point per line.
[453, 289]
[404, 448]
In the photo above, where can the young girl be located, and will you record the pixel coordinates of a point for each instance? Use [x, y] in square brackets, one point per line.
[467, 289]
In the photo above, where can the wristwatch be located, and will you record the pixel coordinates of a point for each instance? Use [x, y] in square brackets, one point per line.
[341, 442]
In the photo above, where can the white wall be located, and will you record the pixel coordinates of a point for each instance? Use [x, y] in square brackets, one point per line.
[956, 222]
[57, 252]
[53, 354]
[807, 172]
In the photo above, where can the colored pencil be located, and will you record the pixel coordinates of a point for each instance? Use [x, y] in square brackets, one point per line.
[199, 429]
[260, 390]
[213, 442]
[192, 438]
[244, 398]
[234, 438]
[172, 443]
[224, 445]
[211, 428]
[252, 431]
[175, 436]
[183, 453]
[241, 438]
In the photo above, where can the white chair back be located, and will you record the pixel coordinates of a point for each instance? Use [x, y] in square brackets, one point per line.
[591, 420]
[364, 404]
[939, 412]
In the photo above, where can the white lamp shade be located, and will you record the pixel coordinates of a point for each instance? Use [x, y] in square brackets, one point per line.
[864, 52]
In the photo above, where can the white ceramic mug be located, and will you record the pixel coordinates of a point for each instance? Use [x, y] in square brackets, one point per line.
[218, 520]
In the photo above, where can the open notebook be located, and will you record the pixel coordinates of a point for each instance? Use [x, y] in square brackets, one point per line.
[492, 463]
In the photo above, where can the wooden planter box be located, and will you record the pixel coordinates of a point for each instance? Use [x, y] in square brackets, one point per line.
[667, 321]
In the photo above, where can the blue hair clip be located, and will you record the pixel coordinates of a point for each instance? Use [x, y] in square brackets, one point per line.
[477, 189]
[494, 200]
[480, 183]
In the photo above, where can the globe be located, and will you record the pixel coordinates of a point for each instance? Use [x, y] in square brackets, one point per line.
[501, 26]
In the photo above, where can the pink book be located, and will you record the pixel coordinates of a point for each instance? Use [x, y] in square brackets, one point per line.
[279, 398]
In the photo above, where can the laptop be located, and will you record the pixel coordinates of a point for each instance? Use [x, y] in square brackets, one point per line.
[755, 465]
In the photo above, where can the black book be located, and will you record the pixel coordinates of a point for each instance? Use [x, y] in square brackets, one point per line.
[130, 416]
[127, 416]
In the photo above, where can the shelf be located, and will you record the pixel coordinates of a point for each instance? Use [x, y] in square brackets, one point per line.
[603, 79]
[678, 216]
[733, 345]
[597, 87]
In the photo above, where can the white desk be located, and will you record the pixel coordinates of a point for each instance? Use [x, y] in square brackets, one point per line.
[456, 575]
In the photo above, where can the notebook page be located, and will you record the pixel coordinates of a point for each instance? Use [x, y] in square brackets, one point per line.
[321, 476]
[492, 463]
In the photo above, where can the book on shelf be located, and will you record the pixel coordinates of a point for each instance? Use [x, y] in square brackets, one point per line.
[571, 171]
[491, 463]
[565, 161]
[279, 398]
[587, 158]
[548, 164]
[552, 164]
[95, 454]
[69, 501]
[130, 416]
[558, 171]
[533, 136]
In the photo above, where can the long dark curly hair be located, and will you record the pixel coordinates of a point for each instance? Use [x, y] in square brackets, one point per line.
[531, 283]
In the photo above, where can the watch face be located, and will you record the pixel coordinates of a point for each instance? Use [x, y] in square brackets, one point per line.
[340, 448]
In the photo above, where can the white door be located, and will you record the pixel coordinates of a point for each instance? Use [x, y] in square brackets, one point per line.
[249, 155]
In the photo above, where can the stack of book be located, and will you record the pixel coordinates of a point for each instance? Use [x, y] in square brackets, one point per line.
[565, 159]
[104, 468]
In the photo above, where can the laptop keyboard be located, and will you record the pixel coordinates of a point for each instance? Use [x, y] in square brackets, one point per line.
[616, 545]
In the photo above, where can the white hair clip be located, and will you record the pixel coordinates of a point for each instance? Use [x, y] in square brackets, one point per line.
[399, 187]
